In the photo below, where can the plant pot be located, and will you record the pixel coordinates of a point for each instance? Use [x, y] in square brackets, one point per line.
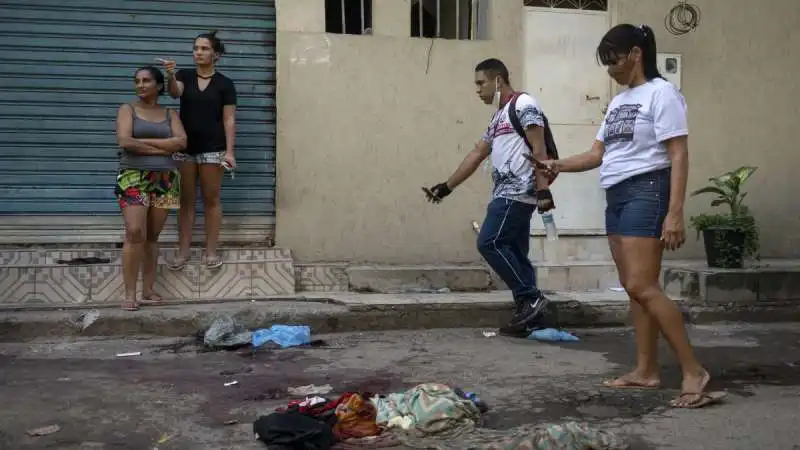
[724, 247]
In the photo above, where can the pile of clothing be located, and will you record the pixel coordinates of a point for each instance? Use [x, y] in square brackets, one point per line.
[427, 416]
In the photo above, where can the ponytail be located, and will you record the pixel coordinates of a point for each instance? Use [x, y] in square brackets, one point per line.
[621, 39]
[649, 53]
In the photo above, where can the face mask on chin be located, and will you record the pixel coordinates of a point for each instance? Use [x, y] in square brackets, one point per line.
[496, 99]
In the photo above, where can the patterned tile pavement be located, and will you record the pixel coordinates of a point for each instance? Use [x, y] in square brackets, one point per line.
[36, 276]
[321, 277]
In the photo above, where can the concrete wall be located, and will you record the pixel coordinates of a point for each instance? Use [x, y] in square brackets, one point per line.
[365, 121]
[741, 85]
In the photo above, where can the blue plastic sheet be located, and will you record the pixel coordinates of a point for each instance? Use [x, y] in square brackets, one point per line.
[551, 334]
[283, 335]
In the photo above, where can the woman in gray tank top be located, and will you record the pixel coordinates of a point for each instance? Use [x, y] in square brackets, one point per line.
[148, 181]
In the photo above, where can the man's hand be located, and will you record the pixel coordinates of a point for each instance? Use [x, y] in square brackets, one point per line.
[673, 234]
[548, 167]
[544, 200]
[437, 193]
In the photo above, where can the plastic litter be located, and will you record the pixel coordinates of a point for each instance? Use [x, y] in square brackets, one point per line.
[225, 333]
[283, 335]
[309, 390]
[44, 431]
[551, 334]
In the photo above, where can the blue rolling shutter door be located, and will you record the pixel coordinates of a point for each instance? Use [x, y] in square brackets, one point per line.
[67, 66]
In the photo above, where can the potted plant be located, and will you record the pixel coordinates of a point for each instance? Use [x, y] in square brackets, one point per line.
[728, 237]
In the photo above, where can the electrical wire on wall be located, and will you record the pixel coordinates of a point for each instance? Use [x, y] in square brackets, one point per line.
[682, 18]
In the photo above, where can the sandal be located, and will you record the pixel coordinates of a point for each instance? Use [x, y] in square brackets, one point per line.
[703, 399]
[178, 263]
[129, 306]
[151, 299]
[214, 262]
[625, 383]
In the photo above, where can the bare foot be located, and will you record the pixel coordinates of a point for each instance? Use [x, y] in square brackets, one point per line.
[692, 390]
[151, 298]
[634, 380]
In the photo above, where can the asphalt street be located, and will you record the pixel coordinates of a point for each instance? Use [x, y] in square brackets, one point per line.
[173, 396]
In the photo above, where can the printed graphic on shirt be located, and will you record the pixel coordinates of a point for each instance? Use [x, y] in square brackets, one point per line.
[621, 123]
[512, 173]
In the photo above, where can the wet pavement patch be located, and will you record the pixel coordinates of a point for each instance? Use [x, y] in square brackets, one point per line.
[580, 405]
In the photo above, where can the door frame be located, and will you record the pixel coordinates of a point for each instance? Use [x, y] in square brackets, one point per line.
[612, 18]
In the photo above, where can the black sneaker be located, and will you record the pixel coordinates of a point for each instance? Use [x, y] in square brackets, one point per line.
[528, 309]
[518, 331]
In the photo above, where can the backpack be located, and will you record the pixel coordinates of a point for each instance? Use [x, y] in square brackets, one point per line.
[549, 142]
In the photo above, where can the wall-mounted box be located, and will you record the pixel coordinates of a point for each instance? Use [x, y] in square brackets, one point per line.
[671, 67]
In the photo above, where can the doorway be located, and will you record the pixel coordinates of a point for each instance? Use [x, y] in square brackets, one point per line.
[562, 73]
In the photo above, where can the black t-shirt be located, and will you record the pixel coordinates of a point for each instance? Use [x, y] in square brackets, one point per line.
[201, 111]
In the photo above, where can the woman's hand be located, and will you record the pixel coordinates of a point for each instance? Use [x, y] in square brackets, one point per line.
[230, 160]
[673, 233]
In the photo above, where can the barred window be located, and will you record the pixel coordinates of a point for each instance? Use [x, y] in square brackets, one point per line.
[450, 19]
[348, 16]
[586, 5]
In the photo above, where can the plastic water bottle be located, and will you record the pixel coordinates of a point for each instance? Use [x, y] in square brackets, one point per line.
[550, 226]
[476, 226]
[482, 406]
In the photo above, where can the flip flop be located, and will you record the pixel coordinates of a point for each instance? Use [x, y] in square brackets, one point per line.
[178, 263]
[705, 399]
[628, 384]
[152, 299]
[129, 306]
[214, 263]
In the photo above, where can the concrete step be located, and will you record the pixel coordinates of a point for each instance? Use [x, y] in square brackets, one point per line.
[765, 281]
[569, 249]
[577, 275]
[356, 312]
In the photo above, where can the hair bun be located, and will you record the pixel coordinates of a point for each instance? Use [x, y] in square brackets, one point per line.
[213, 33]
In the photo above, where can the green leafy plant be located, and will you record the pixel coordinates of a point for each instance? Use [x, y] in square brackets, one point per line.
[727, 191]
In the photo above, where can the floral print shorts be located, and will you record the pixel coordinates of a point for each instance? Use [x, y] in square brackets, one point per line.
[156, 188]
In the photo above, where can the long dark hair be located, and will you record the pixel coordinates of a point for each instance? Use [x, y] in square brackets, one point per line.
[621, 39]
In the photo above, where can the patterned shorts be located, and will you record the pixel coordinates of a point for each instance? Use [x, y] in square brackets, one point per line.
[159, 189]
[200, 158]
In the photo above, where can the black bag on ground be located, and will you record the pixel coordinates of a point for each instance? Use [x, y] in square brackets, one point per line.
[293, 431]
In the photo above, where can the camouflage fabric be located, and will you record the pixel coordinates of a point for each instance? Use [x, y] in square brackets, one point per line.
[433, 416]
[560, 436]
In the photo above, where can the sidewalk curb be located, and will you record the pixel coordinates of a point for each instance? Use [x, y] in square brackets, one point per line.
[353, 312]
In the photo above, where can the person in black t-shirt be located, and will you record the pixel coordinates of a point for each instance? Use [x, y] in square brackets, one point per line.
[208, 107]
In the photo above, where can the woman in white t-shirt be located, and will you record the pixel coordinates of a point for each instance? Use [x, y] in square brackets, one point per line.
[641, 149]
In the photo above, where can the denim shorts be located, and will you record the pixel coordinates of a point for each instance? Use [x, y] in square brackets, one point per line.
[637, 206]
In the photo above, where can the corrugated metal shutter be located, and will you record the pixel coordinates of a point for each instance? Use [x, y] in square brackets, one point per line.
[66, 67]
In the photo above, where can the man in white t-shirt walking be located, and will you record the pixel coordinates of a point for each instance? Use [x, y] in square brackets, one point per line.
[505, 233]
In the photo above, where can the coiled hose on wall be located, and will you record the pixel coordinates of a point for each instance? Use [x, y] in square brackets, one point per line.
[682, 18]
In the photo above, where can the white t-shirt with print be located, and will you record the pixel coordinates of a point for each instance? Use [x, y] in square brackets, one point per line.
[512, 173]
[636, 125]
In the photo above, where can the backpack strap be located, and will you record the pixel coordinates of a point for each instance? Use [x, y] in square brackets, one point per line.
[514, 119]
[549, 141]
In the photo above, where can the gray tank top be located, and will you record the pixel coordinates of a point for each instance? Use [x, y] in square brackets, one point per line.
[143, 129]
